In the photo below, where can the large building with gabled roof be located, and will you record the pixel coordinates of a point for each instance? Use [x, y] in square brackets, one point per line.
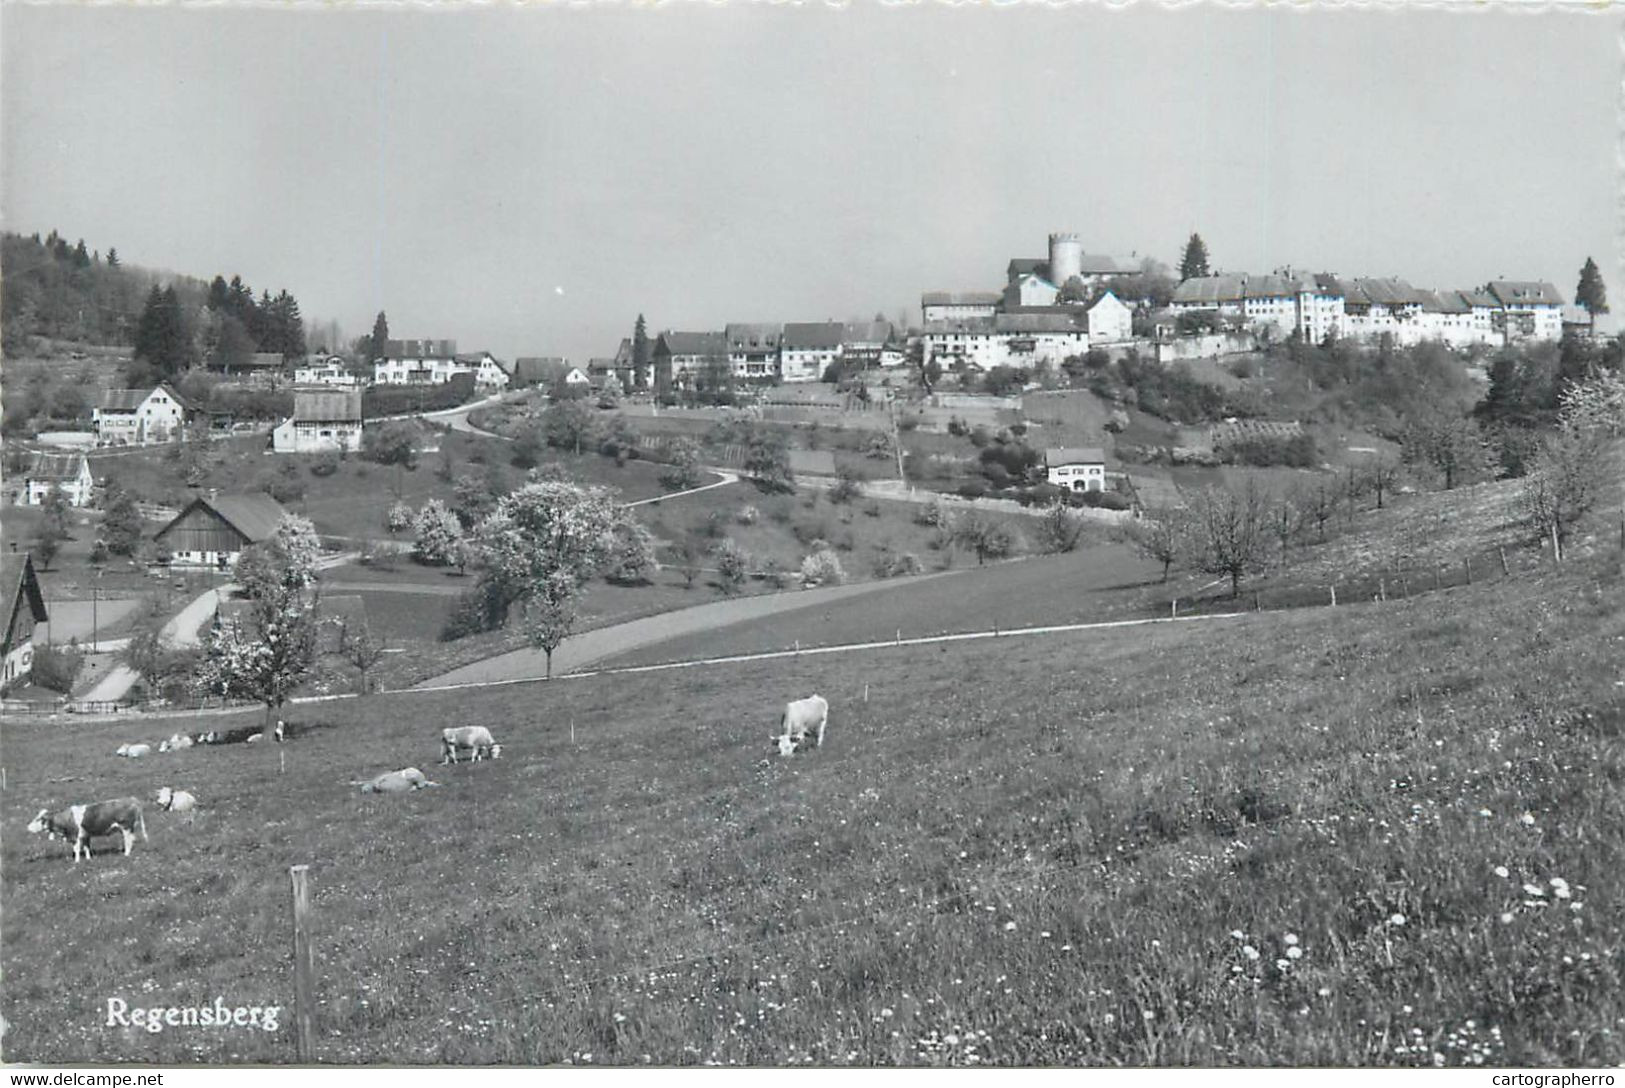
[25, 610]
[212, 531]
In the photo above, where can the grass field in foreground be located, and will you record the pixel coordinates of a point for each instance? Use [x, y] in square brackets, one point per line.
[1090, 848]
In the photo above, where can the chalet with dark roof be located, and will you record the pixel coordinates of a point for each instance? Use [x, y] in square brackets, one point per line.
[25, 610]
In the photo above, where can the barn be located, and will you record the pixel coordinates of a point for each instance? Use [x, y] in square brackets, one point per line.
[213, 531]
[25, 610]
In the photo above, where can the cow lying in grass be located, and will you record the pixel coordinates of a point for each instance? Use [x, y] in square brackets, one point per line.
[802, 718]
[78, 824]
[473, 739]
[134, 751]
[402, 781]
[171, 800]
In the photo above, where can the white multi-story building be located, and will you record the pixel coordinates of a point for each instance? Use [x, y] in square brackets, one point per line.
[416, 362]
[138, 417]
[753, 350]
[1022, 341]
[489, 374]
[1530, 310]
[1076, 468]
[808, 349]
[1110, 320]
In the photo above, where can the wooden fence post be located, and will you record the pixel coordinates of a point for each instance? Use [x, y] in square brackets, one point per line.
[1173, 609]
[304, 992]
[1334, 596]
[1467, 569]
[899, 636]
[1258, 601]
[1505, 570]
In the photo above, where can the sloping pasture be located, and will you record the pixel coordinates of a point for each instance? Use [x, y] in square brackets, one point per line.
[1096, 848]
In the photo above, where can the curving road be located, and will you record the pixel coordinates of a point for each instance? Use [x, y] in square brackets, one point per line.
[581, 650]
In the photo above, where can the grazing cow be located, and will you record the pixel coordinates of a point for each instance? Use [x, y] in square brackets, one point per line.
[134, 751]
[176, 800]
[78, 824]
[280, 733]
[802, 717]
[254, 738]
[475, 739]
[401, 781]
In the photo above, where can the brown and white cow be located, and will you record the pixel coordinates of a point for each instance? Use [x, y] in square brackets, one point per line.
[78, 824]
[475, 739]
[404, 780]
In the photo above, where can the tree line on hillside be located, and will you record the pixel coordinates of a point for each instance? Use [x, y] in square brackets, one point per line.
[66, 292]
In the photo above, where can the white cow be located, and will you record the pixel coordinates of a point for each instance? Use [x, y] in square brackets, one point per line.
[255, 738]
[802, 717]
[475, 739]
[134, 751]
[175, 743]
[176, 800]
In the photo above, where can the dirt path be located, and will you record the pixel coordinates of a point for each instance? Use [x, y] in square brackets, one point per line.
[590, 646]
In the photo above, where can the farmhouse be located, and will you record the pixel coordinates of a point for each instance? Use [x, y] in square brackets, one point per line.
[1529, 310]
[212, 532]
[865, 344]
[25, 610]
[323, 419]
[490, 376]
[68, 473]
[1076, 468]
[137, 417]
[1110, 320]
[545, 371]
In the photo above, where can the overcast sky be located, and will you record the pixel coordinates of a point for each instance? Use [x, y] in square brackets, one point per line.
[528, 180]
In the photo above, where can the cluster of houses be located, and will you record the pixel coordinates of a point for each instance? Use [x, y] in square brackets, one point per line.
[1322, 305]
[1055, 308]
[746, 353]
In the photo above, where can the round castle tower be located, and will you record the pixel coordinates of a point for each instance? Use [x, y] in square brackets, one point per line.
[1065, 258]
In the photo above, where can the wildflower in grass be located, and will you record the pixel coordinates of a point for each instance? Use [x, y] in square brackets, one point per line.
[1045, 934]
[1501, 871]
[1485, 812]
[1396, 919]
[1534, 890]
[1238, 934]
[1506, 918]
[1249, 951]
[1009, 927]
[1324, 991]
[1149, 1015]
[1527, 819]
[1290, 939]
[1294, 952]
[1560, 887]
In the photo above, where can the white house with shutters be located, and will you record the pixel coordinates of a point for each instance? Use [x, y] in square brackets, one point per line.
[1076, 468]
[139, 417]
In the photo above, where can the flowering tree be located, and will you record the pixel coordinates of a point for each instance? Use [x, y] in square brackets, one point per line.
[400, 518]
[360, 648]
[822, 568]
[264, 657]
[286, 560]
[439, 535]
[539, 546]
[632, 558]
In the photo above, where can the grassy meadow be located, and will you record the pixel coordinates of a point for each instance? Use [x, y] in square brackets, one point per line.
[1389, 835]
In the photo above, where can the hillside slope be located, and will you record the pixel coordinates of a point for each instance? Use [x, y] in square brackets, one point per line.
[1082, 849]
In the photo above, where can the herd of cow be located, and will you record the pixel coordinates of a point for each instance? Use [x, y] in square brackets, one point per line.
[802, 725]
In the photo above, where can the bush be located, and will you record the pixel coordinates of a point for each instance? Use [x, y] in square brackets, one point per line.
[282, 486]
[848, 487]
[806, 532]
[56, 667]
[1117, 422]
[747, 515]
[871, 509]
[632, 561]
[325, 463]
[476, 610]
[822, 568]
[400, 518]
[774, 574]
[972, 489]
[391, 444]
[890, 564]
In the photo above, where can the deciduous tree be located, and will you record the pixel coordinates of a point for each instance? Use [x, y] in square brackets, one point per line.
[1232, 531]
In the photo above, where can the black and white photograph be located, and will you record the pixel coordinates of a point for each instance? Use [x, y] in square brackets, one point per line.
[868, 535]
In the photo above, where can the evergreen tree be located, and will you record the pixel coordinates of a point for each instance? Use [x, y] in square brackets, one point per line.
[147, 332]
[219, 297]
[81, 256]
[1592, 293]
[640, 354]
[380, 338]
[112, 257]
[1194, 262]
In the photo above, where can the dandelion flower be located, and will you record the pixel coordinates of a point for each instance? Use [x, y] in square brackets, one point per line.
[1396, 919]
[1155, 943]
[1238, 934]
[1501, 871]
[1534, 889]
[1290, 939]
[951, 1039]
[886, 1014]
[1561, 891]
[1324, 991]
[1294, 952]
[1506, 918]
[1009, 927]
[1249, 951]
[1527, 819]
[1045, 934]
[1485, 812]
